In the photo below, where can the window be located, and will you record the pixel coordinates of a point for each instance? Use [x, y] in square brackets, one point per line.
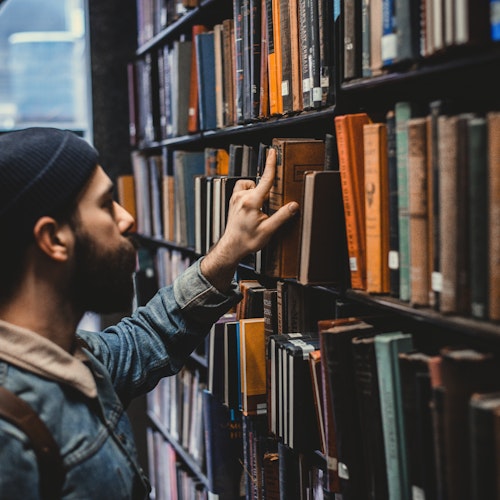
[44, 65]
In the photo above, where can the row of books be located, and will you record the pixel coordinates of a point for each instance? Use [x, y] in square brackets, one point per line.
[168, 475]
[380, 34]
[390, 415]
[184, 199]
[177, 404]
[155, 15]
[271, 58]
[420, 197]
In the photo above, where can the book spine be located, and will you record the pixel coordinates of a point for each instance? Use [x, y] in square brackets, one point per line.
[387, 348]
[376, 214]
[478, 216]
[418, 212]
[286, 57]
[389, 43]
[238, 60]
[494, 214]
[304, 55]
[392, 173]
[448, 201]
[403, 114]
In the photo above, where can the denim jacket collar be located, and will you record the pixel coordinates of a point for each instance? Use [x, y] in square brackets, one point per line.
[30, 351]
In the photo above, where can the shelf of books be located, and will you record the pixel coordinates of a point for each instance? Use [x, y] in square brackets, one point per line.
[363, 361]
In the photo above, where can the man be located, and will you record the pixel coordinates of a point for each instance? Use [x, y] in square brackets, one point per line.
[65, 250]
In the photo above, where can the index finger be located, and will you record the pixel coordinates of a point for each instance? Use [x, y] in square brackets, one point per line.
[267, 179]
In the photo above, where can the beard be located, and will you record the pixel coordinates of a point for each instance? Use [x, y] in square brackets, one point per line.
[103, 276]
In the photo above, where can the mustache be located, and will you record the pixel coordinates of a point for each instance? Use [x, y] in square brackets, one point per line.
[134, 240]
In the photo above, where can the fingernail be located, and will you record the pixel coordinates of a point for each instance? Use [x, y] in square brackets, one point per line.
[293, 207]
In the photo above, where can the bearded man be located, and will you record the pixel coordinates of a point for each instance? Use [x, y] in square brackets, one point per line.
[66, 250]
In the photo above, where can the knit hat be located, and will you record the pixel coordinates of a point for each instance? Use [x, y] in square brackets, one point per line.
[41, 171]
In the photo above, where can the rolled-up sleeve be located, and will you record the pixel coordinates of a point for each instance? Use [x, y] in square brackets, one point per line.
[157, 338]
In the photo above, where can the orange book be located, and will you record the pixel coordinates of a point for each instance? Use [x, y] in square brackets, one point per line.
[376, 207]
[349, 130]
[222, 162]
[264, 73]
[193, 122]
[274, 57]
[125, 191]
[253, 366]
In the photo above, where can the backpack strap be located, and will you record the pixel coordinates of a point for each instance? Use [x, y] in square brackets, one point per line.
[19, 413]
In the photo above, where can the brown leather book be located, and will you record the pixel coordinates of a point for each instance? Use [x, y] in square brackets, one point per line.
[294, 158]
[418, 211]
[464, 372]
[193, 120]
[349, 129]
[376, 207]
[323, 258]
[494, 214]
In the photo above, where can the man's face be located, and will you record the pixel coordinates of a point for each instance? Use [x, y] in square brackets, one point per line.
[104, 259]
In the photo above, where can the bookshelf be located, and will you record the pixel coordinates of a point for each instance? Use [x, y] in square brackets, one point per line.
[444, 89]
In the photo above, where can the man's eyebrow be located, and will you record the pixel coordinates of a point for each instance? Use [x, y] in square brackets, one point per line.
[109, 192]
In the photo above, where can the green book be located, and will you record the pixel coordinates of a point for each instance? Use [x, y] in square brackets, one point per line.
[403, 112]
[387, 348]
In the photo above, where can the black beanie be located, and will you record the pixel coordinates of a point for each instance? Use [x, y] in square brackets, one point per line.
[41, 171]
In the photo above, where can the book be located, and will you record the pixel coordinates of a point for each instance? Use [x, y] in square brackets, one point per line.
[387, 348]
[186, 166]
[418, 206]
[403, 112]
[484, 465]
[317, 392]
[232, 375]
[286, 36]
[417, 400]
[322, 256]
[215, 356]
[335, 345]
[224, 448]
[193, 109]
[349, 130]
[494, 221]
[454, 296]
[298, 411]
[205, 60]
[376, 207]
[464, 372]
[352, 40]
[239, 7]
[180, 76]
[125, 191]
[294, 158]
[253, 366]
[478, 215]
[370, 415]
[392, 168]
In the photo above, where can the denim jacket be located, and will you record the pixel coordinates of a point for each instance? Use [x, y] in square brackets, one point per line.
[82, 397]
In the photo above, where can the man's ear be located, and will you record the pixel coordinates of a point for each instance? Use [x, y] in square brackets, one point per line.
[53, 238]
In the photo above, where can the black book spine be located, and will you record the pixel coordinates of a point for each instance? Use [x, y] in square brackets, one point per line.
[393, 205]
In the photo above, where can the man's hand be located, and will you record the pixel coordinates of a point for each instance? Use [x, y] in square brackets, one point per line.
[248, 229]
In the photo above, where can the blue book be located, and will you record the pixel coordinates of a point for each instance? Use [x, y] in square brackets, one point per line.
[205, 60]
[187, 165]
[387, 348]
[495, 20]
[389, 40]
